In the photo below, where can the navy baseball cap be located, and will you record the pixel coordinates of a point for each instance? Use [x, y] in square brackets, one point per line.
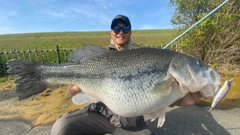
[123, 18]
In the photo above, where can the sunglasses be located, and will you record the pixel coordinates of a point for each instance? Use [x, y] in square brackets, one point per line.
[117, 29]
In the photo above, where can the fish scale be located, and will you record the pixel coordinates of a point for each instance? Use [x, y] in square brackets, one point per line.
[130, 82]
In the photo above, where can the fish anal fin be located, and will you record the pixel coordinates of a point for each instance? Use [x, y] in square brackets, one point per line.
[160, 114]
[82, 98]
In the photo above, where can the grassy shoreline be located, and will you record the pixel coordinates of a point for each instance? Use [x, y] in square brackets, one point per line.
[71, 40]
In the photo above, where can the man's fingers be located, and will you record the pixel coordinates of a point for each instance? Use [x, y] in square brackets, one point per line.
[176, 103]
[196, 96]
[73, 89]
[188, 100]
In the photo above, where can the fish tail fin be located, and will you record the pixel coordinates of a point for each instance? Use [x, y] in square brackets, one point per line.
[28, 76]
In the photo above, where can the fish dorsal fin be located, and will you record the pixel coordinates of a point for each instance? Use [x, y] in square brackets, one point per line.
[82, 98]
[80, 54]
[160, 114]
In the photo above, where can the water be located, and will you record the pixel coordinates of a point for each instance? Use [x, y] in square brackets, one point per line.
[232, 99]
[234, 92]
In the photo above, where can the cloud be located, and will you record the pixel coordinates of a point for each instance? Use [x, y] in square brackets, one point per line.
[64, 14]
[114, 4]
[78, 11]
[5, 21]
[94, 15]
[47, 3]
[5, 29]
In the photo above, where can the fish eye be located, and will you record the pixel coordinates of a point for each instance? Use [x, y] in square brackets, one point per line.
[199, 63]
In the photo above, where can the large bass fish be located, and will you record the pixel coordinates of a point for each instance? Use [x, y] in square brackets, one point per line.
[130, 82]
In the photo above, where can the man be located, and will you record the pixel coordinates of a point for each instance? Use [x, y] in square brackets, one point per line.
[96, 118]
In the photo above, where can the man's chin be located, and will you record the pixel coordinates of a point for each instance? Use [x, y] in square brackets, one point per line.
[121, 42]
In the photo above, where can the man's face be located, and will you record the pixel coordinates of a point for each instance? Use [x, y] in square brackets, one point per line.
[120, 38]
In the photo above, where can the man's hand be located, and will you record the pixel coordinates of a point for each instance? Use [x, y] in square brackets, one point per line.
[188, 100]
[73, 90]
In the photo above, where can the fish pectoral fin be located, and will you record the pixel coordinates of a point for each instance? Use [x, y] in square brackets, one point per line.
[165, 87]
[160, 114]
[82, 98]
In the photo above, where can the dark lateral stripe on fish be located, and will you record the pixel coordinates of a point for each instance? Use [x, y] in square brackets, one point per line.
[139, 74]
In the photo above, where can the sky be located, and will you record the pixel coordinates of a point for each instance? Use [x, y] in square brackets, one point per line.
[33, 16]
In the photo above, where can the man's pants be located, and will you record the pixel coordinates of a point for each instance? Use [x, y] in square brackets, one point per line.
[84, 122]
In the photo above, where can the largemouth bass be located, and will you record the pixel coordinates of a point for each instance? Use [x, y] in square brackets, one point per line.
[130, 82]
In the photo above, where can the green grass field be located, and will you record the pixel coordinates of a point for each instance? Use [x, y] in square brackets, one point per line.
[72, 40]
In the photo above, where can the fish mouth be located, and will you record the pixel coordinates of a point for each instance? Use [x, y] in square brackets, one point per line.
[207, 81]
[213, 84]
[210, 80]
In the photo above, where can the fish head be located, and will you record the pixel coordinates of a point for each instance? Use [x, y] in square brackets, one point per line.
[193, 75]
